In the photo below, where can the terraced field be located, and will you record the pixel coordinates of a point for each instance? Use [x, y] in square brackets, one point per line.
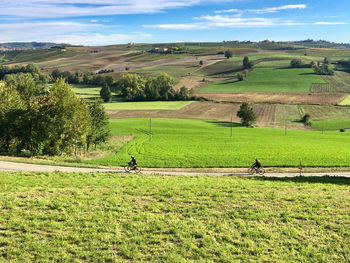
[198, 143]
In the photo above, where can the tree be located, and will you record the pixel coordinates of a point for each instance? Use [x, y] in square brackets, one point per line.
[228, 54]
[326, 60]
[164, 84]
[99, 124]
[306, 119]
[25, 85]
[246, 63]
[247, 115]
[296, 63]
[106, 93]
[12, 108]
[71, 123]
[132, 87]
[201, 62]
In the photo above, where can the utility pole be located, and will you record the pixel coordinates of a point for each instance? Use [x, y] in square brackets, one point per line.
[150, 130]
[231, 126]
[285, 127]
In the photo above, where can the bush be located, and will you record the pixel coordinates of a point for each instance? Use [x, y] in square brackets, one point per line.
[306, 119]
[342, 130]
[296, 63]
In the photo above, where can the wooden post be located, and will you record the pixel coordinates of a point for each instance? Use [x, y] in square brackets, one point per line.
[300, 168]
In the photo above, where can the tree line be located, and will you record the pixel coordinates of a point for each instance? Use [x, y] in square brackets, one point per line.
[47, 122]
[136, 87]
[87, 77]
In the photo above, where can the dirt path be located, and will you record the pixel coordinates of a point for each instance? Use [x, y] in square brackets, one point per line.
[23, 167]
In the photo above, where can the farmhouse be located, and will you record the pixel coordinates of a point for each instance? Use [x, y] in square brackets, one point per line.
[159, 50]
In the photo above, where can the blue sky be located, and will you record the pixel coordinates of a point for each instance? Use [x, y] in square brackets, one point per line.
[105, 22]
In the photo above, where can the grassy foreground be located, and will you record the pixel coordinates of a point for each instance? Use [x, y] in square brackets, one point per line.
[127, 218]
[200, 143]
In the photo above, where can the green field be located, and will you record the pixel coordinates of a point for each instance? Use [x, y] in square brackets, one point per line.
[345, 102]
[270, 80]
[331, 125]
[148, 105]
[62, 217]
[199, 143]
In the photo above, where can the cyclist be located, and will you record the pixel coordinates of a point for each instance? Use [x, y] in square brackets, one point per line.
[257, 164]
[133, 163]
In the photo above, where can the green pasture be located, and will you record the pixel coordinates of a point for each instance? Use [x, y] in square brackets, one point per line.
[270, 80]
[345, 102]
[331, 125]
[148, 105]
[200, 143]
[82, 89]
[92, 217]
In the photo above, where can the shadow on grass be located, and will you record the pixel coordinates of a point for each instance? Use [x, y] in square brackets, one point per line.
[224, 123]
[308, 179]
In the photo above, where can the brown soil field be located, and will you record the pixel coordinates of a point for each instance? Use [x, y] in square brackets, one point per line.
[291, 98]
[203, 110]
[111, 57]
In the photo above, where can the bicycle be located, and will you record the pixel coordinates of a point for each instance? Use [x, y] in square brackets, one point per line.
[130, 168]
[256, 170]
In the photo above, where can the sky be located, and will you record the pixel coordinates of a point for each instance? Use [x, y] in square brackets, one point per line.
[107, 22]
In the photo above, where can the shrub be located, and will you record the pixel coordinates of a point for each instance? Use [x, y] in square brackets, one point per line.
[296, 63]
[306, 119]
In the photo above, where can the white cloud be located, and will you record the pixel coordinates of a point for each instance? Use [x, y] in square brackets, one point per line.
[330, 23]
[218, 21]
[65, 32]
[77, 8]
[275, 9]
[226, 11]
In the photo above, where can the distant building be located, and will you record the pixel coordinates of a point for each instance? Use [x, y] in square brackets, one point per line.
[159, 50]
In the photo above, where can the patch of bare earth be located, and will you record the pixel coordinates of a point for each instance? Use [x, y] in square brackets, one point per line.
[287, 98]
[202, 110]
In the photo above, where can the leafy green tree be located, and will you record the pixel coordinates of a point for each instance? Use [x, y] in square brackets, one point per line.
[228, 54]
[247, 115]
[132, 87]
[12, 109]
[71, 123]
[296, 63]
[326, 60]
[246, 63]
[99, 124]
[106, 93]
[164, 84]
[25, 85]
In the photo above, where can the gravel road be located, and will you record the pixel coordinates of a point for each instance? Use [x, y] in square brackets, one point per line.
[24, 167]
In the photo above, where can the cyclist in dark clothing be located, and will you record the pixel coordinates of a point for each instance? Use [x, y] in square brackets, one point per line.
[257, 164]
[133, 163]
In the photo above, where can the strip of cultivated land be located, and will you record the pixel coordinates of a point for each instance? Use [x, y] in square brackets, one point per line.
[121, 218]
